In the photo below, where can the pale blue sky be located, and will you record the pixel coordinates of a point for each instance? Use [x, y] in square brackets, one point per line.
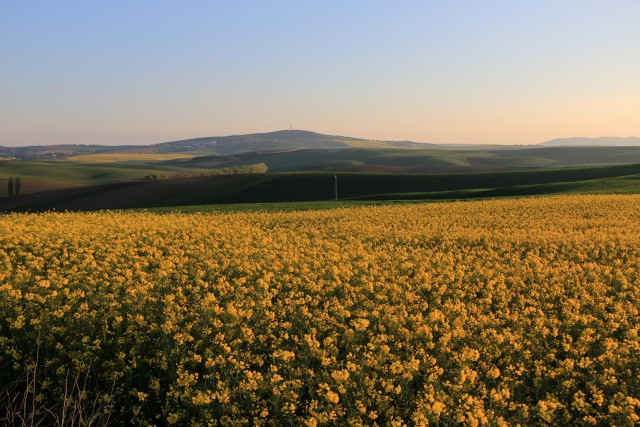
[133, 72]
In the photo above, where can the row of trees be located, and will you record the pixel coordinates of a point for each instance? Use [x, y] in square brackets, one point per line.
[229, 170]
[14, 186]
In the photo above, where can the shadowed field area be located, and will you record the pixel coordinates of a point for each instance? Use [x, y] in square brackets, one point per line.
[314, 187]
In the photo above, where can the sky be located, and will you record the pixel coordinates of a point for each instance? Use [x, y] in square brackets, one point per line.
[464, 71]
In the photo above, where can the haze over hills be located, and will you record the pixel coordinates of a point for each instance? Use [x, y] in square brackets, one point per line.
[279, 141]
[283, 140]
[603, 141]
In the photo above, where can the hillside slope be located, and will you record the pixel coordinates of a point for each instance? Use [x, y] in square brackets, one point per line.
[284, 140]
[278, 141]
[304, 187]
[420, 160]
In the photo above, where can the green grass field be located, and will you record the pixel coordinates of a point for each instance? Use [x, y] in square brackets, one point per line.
[422, 160]
[79, 173]
[47, 175]
[101, 168]
[128, 157]
[295, 188]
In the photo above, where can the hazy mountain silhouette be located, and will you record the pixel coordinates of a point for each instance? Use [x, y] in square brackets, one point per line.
[280, 141]
[604, 141]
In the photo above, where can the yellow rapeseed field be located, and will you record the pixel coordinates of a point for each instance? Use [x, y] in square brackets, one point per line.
[510, 312]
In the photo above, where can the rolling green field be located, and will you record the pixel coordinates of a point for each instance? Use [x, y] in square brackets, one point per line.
[422, 160]
[301, 169]
[300, 188]
[128, 157]
[70, 174]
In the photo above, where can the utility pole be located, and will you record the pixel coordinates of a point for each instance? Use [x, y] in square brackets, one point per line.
[336, 184]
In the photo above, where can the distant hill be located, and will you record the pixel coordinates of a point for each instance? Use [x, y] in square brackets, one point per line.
[278, 141]
[56, 152]
[282, 140]
[289, 141]
[604, 141]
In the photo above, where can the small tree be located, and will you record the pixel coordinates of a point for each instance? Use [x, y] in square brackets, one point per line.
[10, 186]
[18, 186]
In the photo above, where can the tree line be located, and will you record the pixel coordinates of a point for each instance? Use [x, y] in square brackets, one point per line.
[14, 187]
[229, 170]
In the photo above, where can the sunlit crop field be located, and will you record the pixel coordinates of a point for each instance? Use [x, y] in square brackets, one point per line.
[124, 157]
[473, 313]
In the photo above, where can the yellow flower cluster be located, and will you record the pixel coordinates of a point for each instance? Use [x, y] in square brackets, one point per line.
[510, 312]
